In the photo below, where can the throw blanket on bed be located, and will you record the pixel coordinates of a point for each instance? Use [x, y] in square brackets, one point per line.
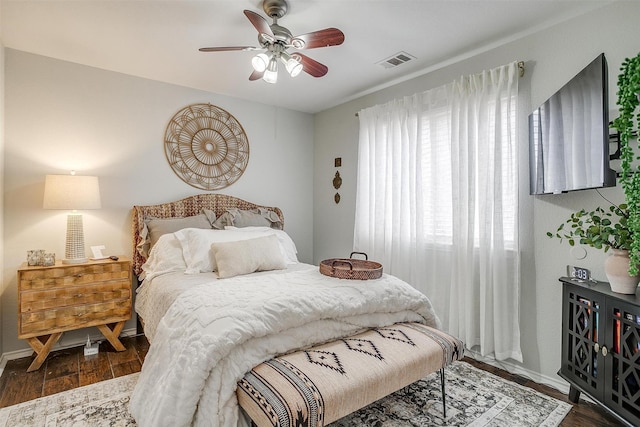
[216, 332]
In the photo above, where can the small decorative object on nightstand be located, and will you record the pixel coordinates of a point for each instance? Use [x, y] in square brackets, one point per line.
[35, 257]
[49, 259]
[60, 298]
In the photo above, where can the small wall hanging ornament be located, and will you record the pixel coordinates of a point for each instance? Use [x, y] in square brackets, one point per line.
[206, 146]
[337, 179]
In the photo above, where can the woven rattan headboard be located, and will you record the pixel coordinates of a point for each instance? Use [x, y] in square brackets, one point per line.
[193, 205]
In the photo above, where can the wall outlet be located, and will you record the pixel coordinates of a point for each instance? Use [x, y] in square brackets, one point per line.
[91, 349]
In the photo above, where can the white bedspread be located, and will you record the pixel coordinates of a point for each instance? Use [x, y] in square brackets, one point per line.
[218, 330]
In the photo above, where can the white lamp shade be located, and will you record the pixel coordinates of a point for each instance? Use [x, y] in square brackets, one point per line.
[270, 76]
[260, 62]
[291, 63]
[71, 192]
[293, 67]
[271, 73]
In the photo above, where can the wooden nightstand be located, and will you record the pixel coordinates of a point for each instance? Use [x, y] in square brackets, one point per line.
[65, 297]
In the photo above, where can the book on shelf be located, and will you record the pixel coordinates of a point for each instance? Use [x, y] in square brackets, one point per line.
[584, 322]
[616, 331]
[629, 326]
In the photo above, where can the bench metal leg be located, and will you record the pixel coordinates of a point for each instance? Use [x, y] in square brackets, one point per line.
[444, 406]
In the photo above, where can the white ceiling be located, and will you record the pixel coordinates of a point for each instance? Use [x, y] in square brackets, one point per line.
[159, 40]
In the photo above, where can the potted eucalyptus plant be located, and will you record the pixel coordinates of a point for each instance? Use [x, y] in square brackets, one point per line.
[627, 125]
[599, 228]
[605, 229]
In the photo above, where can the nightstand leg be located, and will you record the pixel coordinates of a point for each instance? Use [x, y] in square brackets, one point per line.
[42, 349]
[112, 334]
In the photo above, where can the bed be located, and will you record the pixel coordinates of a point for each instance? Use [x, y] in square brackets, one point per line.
[209, 328]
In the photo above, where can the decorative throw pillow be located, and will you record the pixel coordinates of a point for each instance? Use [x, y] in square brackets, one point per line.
[159, 226]
[211, 216]
[287, 245]
[247, 218]
[196, 245]
[248, 256]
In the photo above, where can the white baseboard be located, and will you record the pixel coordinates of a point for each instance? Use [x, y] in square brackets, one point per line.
[12, 355]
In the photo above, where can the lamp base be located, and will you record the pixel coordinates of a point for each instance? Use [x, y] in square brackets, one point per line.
[75, 261]
[74, 247]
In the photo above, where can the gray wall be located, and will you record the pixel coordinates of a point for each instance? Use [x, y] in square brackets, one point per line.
[61, 116]
[2, 285]
[552, 57]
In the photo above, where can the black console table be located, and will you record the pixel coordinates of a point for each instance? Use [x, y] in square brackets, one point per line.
[601, 347]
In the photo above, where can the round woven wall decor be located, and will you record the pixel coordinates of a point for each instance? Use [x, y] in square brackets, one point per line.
[206, 146]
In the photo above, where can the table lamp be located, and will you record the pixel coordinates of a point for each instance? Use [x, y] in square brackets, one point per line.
[72, 192]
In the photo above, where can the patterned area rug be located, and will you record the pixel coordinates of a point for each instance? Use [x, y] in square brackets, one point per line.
[474, 398]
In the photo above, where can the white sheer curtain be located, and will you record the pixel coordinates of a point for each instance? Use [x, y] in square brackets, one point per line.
[437, 203]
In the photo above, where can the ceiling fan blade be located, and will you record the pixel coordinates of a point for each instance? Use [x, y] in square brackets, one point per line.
[256, 75]
[227, 48]
[321, 38]
[261, 24]
[311, 66]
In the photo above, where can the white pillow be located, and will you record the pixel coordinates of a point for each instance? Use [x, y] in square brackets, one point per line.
[196, 245]
[247, 256]
[165, 257]
[286, 242]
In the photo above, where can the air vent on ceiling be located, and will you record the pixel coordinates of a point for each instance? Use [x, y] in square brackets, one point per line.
[397, 59]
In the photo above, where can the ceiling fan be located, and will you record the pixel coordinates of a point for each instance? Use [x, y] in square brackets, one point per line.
[275, 40]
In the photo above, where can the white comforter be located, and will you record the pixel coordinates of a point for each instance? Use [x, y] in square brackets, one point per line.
[218, 330]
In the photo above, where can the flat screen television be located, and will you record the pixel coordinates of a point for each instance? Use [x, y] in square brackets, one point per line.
[569, 135]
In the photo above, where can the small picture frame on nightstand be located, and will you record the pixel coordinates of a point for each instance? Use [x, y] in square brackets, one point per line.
[97, 252]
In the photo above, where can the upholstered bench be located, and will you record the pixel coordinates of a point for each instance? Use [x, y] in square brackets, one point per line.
[318, 385]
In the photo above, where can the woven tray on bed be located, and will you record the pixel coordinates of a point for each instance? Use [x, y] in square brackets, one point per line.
[351, 268]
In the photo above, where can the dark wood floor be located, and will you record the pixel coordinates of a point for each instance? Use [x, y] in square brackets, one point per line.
[67, 369]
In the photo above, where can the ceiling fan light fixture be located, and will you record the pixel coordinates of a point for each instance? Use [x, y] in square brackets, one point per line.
[291, 63]
[271, 73]
[274, 40]
[260, 62]
[293, 66]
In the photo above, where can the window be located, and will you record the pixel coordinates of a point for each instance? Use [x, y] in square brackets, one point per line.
[437, 174]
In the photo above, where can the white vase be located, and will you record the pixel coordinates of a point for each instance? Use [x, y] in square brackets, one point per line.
[616, 267]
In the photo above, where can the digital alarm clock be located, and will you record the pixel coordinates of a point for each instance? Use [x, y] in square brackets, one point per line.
[578, 273]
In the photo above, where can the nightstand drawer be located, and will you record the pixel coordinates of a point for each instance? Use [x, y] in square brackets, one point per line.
[50, 278]
[75, 317]
[74, 295]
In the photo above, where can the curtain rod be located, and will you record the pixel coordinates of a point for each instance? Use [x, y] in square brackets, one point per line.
[520, 68]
